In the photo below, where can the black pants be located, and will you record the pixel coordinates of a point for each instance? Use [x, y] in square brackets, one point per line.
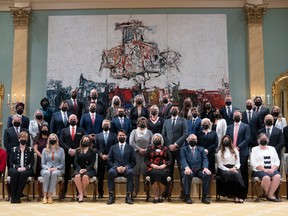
[102, 166]
[244, 171]
[67, 176]
[18, 181]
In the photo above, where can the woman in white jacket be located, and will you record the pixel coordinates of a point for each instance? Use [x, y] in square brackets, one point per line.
[279, 120]
[219, 125]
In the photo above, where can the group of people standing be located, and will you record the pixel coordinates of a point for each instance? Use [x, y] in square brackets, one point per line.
[142, 142]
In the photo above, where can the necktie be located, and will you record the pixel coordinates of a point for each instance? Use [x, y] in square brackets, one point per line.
[249, 116]
[163, 110]
[193, 151]
[229, 111]
[65, 120]
[268, 133]
[73, 133]
[257, 109]
[17, 131]
[122, 149]
[173, 123]
[93, 118]
[75, 104]
[121, 122]
[105, 138]
[235, 136]
[193, 121]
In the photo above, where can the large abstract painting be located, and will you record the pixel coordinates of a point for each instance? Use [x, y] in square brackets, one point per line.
[182, 55]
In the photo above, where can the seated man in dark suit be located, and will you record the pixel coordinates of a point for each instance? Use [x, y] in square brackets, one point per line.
[104, 141]
[194, 163]
[19, 108]
[121, 159]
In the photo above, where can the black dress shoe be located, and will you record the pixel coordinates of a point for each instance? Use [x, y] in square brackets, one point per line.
[160, 200]
[111, 199]
[129, 199]
[100, 196]
[205, 200]
[188, 200]
[155, 201]
[273, 199]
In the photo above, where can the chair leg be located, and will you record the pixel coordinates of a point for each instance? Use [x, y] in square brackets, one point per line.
[33, 190]
[147, 183]
[40, 190]
[256, 185]
[60, 198]
[8, 191]
[170, 186]
[286, 186]
[199, 190]
[3, 187]
[28, 192]
[72, 189]
[94, 191]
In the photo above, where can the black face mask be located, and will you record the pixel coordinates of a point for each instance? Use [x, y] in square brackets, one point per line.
[216, 116]
[92, 110]
[52, 142]
[74, 96]
[23, 142]
[64, 109]
[208, 106]
[237, 118]
[188, 104]
[142, 125]
[174, 112]
[105, 127]
[263, 142]
[192, 143]
[122, 139]
[226, 143]
[45, 132]
[157, 142]
[165, 100]
[139, 102]
[16, 124]
[195, 115]
[249, 107]
[39, 117]
[276, 114]
[258, 103]
[269, 122]
[121, 114]
[73, 123]
[19, 112]
[116, 102]
[153, 113]
[45, 104]
[228, 103]
[94, 96]
[85, 143]
[205, 127]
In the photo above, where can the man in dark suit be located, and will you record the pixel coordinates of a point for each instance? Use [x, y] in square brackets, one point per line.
[250, 117]
[227, 111]
[164, 110]
[92, 122]
[74, 105]
[59, 119]
[121, 122]
[93, 98]
[175, 132]
[11, 135]
[194, 124]
[103, 143]
[121, 159]
[260, 109]
[19, 108]
[240, 135]
[194, 163]
[70, 140]
[274, 134]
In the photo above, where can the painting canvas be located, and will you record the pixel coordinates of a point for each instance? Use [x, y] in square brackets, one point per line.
[178, 54]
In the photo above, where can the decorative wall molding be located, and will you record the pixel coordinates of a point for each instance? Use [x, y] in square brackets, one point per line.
[255, 12]
[21, 15]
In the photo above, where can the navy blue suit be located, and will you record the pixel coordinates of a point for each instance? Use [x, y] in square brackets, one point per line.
[57, 124]
[194, 128]
[263, 111]
[115, 159]
[254, 125]
[228, 118]
[87, 125]
[24, 122]
[116, 126]
[196, 163]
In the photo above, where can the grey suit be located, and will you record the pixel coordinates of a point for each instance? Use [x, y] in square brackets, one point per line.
[50, 179]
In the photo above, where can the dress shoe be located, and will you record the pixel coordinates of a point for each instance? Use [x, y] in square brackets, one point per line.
[205, 200]
[100, 196]
[111, 199]
[129, 199]
[50, 200]
[273, 199]
[44, 200]
[160, 200]
[155, 200]
[188, 200]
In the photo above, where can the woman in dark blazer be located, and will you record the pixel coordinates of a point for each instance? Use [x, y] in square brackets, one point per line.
[138, 110]
[21, 167]
[84, 162]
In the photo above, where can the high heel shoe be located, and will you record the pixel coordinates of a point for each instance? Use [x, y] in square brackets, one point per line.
[50, 200]
[44, 200]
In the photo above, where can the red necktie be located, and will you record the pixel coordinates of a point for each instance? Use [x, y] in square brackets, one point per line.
[73, 133]
[75, 105]
[235, 136]
[93, 118]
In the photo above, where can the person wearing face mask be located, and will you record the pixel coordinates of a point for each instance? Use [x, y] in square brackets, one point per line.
[265, 165]
[140, 138]
[138, 110]
[91, 122]
[35, 125]
[230, 183]
[59, 119]
[75, 106]
[121, 160]
[112, 110]
[84, 165]
[70, 141]
[194, 163]
[260, 109]
[121, 122]
[103, 143]
[274, 134]
[175, 132]
[155, 123]
[240, 134]
[11, 135]
[219, 125]
[47, 112]
[194, 124]
[19, 109]
[279, 120]
[207, 111]
[158, 160]
[21, 167]
[93, 98]
[39, 144]
[228, 110]
[53, 163]
[164, 111]
[186, 111]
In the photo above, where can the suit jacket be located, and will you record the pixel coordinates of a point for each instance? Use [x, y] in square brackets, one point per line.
[56, 124]
[228, 118]
[101, 146]
[178, 134]
[280, 123]
[116, 125]
[197, 162]
[134, 115]
[243, 138]
[285, 135]
[100, 107]
[194, 128]
[16, 156]
[262, 113]
[115, 158]
[86, 123]
[58, 162]
[34, 128]
[78, 110]
[209, 141]
[24, 122]
[254, 124]
[11, 139]
[276, 138]
[166, 113]
[66, 140]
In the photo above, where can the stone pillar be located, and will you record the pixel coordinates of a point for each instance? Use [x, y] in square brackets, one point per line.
[254, 15]
[21, 16]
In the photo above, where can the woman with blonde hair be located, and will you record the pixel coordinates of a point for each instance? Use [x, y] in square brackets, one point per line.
[138, 110]
[35, 124]
[112, 111]
[53, 166]
[155, 123]
[279, 120]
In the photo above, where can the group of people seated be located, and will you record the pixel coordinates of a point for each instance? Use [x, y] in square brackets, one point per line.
[145, 141]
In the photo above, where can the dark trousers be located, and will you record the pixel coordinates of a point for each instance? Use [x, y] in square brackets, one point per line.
[244, 172]
[128, 174]
[67, 176]
[205, 182]
[18, 181]
[102, 166]
[175, 156]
